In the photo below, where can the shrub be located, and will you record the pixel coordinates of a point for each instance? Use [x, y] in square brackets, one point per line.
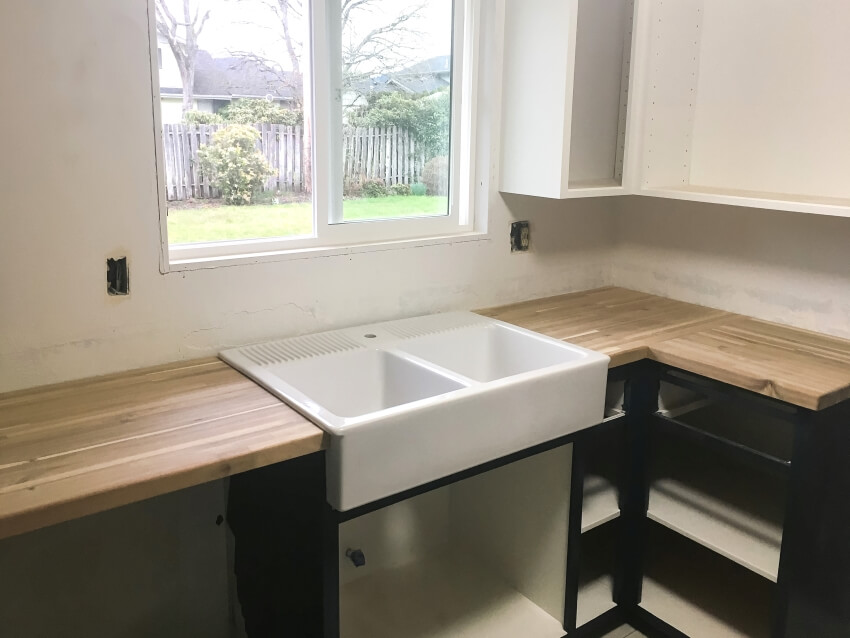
[260, 111]
[426, 116]
[400, 189]
[234, 164]
[419, 189]
[436, 175]
[200, 117]
[352, 189]
[374, 188]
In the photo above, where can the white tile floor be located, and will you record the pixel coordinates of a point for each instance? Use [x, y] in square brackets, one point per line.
[624, 632]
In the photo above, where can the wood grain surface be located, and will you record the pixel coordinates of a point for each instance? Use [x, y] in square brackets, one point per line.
[82, 447]
[804, 368]
[78, 448]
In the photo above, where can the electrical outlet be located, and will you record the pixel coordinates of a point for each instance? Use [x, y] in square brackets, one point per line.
[520, 237]
[117, 277]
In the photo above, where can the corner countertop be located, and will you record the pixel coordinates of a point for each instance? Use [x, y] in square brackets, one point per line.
[77, 448]
[804, 368]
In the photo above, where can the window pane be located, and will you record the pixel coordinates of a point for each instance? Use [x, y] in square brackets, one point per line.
[397, 82]
[235, 86]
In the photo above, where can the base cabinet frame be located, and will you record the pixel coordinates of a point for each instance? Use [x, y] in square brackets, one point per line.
[811, 594]
[287, 537]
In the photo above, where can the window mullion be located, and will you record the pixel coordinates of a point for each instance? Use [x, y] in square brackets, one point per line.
[327, 126]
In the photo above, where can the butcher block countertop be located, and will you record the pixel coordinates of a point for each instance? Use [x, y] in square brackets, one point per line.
[803, 368]
[78, 448]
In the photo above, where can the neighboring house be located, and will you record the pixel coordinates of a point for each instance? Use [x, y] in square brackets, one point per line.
[424, 77]
[218, 82]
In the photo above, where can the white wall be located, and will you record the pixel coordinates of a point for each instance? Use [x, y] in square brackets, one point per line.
[786, 267]
[169, 74]
[84, 188]
[171, 110]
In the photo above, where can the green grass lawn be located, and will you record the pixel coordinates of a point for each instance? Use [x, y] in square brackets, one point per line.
[217, 223]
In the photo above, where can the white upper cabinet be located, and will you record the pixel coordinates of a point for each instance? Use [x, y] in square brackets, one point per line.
[742, 102]
[565, 89]
[746, 102]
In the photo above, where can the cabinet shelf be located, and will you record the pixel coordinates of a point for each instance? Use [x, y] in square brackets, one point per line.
[733, 512]
[731, 532]
[600, 502]
[718, 123]
[447, 596]
[701, 594]
[595, 596]
[834, 206]
[594, 599]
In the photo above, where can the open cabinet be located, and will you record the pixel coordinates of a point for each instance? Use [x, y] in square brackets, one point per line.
[745, 102]
[565, 91]
[597, 550]
[717, 492]
[738, 102]
[483, 557]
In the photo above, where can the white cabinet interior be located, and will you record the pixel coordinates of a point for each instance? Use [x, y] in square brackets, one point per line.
[702, 594]
[596, 576]
[600, 497]
[483, 557]
[721, 502]
[733, 511]
[599, 501]
[745, 102]
[739, 102]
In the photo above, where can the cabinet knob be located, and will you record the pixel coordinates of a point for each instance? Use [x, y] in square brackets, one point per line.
[357, 557]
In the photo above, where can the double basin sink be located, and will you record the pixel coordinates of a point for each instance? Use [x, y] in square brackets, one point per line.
[411, 401]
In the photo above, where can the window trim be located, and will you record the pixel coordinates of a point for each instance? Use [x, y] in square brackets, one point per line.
[338, 238]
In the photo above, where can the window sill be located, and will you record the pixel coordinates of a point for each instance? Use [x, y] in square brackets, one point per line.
[240, 259]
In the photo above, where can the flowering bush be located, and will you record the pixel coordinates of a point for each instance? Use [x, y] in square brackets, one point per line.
[234, 164]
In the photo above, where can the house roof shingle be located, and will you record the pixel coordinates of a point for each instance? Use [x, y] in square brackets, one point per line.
[241, 77]
[424, 77]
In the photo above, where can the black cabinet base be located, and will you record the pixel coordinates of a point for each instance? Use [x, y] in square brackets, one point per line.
[275, 514]
[651, 626]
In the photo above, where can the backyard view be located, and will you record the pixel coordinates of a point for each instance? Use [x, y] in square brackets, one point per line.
[212, 221]
[237, 131]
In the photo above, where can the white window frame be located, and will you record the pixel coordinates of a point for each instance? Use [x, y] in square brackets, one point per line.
[330, 232]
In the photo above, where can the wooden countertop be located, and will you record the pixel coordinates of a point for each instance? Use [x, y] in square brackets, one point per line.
[803, 368]
[82, 447]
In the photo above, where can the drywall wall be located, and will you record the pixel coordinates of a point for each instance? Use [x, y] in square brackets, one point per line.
[786, 267]
[80, 186]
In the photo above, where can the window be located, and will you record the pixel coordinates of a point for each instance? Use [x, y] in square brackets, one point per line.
[344, 122]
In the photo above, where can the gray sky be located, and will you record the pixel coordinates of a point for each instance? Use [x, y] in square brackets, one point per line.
[250, 25]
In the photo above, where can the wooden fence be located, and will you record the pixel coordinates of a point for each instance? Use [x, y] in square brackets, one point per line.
[389, 154]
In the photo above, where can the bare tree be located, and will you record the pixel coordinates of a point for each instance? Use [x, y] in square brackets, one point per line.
[182, 37]
[364, 55]
[372, 53]
[378, 50]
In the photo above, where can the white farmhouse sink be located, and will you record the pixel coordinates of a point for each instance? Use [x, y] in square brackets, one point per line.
[407, 402]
